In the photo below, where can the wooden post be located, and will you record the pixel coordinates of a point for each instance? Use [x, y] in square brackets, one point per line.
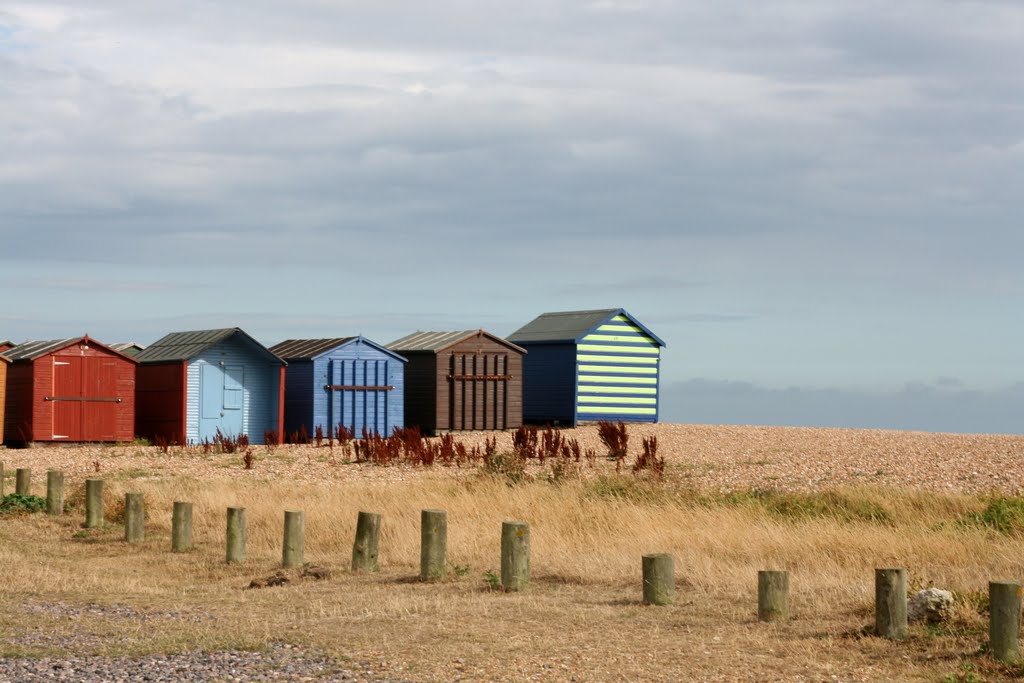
[93, 503]
[515, 555]
[433, 544]
[1, 479]
[236, 535]
[366, 548]
[772, 595]
[23, 481]
[294, 539]
[659, 579]
[891, 603]
[181, 527]
[134, 518]
[54, 492]
[1004, 620]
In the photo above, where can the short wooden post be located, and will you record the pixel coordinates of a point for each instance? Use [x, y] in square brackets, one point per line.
[93, 503]
[2, 484]
[294, 539]
[23, 481]
[891, 603]
[772, 595]
[55, 492]
[134, 518]
[181, 527]
[659, 579]
[433, 544]
[236, 535]
[515, 555]
[367, 545]
[1004, 620]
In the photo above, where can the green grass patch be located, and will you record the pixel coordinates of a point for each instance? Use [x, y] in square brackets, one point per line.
[803, 506]
[20, 504]
[1001, 514]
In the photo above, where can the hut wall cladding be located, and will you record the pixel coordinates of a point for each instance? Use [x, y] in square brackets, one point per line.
[359, 364]
[160, 401]
[485, 404]
[617, 373]
[256, 383]
[82, 392]
[549, 392]
[3, 394]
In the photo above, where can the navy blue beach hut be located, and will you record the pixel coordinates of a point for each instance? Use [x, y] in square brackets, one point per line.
[191, 384]
[349, 381]
[585, 366]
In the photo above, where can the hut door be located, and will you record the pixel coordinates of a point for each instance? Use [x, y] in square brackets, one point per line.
[358, 395]
[85, 400]
[100, 400]
[221, 400]
[477, 390]
[66, 398]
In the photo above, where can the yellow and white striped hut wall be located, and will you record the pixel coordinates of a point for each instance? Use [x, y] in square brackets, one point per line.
[585, 366]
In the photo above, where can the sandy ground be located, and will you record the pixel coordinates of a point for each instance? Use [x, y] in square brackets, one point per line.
[706, 457]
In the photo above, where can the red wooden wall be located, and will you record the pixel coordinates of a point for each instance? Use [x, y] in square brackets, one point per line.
[161, 393]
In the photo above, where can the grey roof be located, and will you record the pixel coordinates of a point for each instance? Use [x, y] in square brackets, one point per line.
[7, 342]
[304, 349]
[570, 326]
[128, 348]
[562, 326]
[438, 341]
[4, 358]
[180, 346]
[31, 350]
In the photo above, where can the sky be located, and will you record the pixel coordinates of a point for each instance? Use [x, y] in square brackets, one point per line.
[817, 205]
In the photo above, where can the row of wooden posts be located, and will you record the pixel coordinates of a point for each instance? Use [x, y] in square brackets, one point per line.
[659, 584]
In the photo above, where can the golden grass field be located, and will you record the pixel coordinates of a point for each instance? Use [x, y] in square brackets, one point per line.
[86, 591]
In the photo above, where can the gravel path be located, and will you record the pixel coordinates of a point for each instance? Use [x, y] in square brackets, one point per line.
[280, 663]
[704, 456]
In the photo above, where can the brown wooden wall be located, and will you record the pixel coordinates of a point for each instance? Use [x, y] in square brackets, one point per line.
[33, 415]
[476, 384]
[160, 395]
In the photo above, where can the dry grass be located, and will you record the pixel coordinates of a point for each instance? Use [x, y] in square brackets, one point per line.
[581, 617]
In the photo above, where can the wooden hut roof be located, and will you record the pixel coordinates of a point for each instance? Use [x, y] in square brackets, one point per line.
[307, 349]
[181, 346]
[571, 326]
[438, 341]
[30, 350]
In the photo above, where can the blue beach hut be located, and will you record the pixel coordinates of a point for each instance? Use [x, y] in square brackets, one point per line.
[348, 381]
[189, 385]
[585, 366]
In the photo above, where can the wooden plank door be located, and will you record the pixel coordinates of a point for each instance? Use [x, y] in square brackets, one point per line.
[100, 400]
[66, 398]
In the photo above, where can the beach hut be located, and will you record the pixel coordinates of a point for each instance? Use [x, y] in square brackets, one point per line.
[5, 345]
[463, 380]
[4, 362]
[585, 366]
[348, 381]
[72, 389]
[193, 384]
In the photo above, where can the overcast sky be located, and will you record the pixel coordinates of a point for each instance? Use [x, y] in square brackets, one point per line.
[818, 205]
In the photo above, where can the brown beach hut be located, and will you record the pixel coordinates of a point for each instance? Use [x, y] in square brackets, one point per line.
[465, 380]
[69, 390]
